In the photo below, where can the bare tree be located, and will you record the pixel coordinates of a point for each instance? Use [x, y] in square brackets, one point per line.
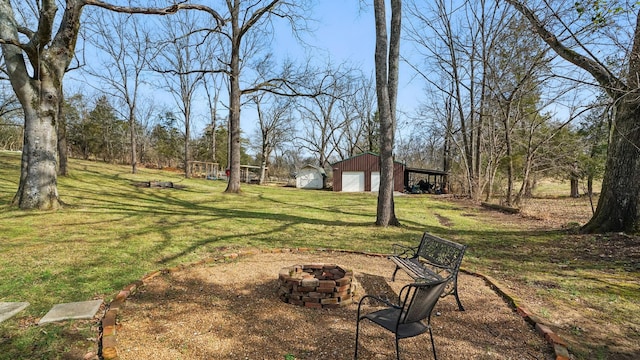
[275, 128]
[449, 70]
[432, 129]
[320, 115]
[365, 109]
[213, 90]
[619, 204]
[36, 61]
[457, 49]
[387, 57]
[358, 130]
[147, 111]
[126, 43]
[515, 72]
[180, 60]
[250, 22]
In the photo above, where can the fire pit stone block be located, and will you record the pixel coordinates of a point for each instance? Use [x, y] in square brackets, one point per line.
[316, 285]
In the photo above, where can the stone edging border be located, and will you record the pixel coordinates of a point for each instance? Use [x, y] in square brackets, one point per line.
[107, 347]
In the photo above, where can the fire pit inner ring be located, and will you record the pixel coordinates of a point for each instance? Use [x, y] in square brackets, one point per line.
[318, 286]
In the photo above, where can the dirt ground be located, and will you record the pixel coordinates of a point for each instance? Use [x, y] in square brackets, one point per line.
[232, 311]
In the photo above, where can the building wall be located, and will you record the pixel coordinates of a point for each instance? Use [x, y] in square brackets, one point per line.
[310, 178]
[368, 163]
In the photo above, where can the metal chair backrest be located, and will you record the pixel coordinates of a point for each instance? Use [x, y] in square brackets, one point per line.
[419, 299]
[441, 252]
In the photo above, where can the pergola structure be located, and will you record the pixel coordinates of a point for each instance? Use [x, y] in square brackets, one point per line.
[209, 170]
[248, 173]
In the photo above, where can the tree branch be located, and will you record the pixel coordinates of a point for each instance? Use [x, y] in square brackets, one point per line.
[611, 84]
[45, 25]
[196, 71]
[14, 42]
[26, 31]
[158, 11]
[256, 16]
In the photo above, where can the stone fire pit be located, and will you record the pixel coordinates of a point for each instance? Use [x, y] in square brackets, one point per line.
[316, 286]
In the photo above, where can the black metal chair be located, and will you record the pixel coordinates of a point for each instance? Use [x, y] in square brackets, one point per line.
[406, 318]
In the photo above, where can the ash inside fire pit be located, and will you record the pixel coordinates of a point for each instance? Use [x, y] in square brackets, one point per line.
[316, 285]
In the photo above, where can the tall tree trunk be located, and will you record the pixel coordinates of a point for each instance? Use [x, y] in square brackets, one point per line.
[62, 139]
[40, 97]
[38, 179]
[386, 89]
[187, 137]
[529, 187]
[619, 203]
[213, 144]
[134, 144]
[510, 172]
[233, 185]
[234, 128]
[574, 176]
[212, 114]
[263, 166]
[448, 131]
[525, 179]
[264, 140]
[618, 206]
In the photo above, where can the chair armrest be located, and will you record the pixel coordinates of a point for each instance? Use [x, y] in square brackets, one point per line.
[404, 251]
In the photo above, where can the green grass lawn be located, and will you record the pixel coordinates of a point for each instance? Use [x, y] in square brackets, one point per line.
[112, 232]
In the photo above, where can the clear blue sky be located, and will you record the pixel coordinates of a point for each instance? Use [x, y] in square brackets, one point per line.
[347, 33]
[344, 32]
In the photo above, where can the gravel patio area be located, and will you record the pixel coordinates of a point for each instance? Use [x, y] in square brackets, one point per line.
[232, 310]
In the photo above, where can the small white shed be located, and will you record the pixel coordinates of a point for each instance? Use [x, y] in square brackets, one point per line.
[311, 177]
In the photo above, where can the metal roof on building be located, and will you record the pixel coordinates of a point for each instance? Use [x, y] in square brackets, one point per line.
[426, 171]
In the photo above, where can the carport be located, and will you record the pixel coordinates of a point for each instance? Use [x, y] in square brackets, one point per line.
[427, 180]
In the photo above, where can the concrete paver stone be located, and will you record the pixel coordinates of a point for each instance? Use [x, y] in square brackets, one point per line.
[9, 309]
[74, 310]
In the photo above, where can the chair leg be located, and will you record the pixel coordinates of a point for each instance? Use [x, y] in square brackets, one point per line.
[355, 356]
[460, 307]
[393, 277]
[433, 344]
[397, 347]
[455, 293]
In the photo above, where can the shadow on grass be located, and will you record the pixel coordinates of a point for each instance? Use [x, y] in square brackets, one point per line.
[170, 210]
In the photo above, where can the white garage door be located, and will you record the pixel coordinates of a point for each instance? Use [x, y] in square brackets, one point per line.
[353, 181]
[375, 181]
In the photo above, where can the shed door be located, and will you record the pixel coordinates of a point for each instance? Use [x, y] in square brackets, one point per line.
[311, 180]
[304, 178]
[375, 180]
[315, 181]
[353, 181]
